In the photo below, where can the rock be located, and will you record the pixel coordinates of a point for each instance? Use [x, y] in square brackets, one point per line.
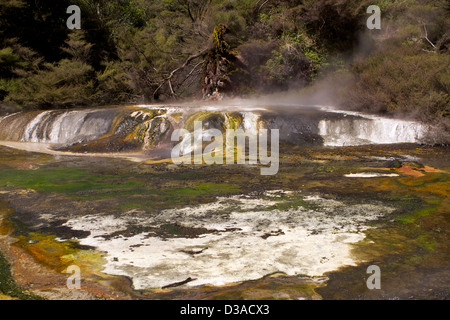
[177, 284]
[395, 164]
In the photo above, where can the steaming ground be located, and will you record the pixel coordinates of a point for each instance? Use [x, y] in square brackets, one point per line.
[233, 239]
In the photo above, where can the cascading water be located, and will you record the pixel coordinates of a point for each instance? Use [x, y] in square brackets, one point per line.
[55, 126]
[140, 125]
[352, 132]
[360, 129]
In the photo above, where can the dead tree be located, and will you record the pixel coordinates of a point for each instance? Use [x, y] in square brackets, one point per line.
[169, 79]
[219, 64]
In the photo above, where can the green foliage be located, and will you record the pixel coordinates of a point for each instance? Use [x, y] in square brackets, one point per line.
[65, 82]
[77, 47]
[7, 58]
[383, 83]
[222, 46]
[39, 25]
[295, 61]
[407, 71]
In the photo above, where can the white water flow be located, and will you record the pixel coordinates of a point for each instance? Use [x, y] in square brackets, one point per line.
[369, 131]
[358, 129]
[55, 127]
[298, 126]
[30, 130]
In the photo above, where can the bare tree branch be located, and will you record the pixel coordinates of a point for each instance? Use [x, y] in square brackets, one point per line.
[189, 12]
[426, 37]
[262, 5]
[172, 74]
[190, 73]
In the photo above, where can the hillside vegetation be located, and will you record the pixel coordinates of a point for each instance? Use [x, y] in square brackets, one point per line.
[143, 51]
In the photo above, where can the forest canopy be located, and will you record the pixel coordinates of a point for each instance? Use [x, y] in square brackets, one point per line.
[143, 51]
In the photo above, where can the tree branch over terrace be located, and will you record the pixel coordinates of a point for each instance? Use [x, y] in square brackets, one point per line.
[168, 80]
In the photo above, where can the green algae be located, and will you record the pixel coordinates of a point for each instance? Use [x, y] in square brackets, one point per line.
[9, 287]
[139, 133]
[413, 216]
[430, 178]
[181, 231]
[128, 190]
[205, 117]
[63, 180]
[286, 202]
[150, 199]
[177, 116]
[46, 249]
[205, 189]
[426, 241]
[233, 120]
[410, 249]
[58, 255]
[82, 184]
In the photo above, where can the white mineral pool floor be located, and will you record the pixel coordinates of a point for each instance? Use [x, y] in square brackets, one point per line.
[248, 237]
